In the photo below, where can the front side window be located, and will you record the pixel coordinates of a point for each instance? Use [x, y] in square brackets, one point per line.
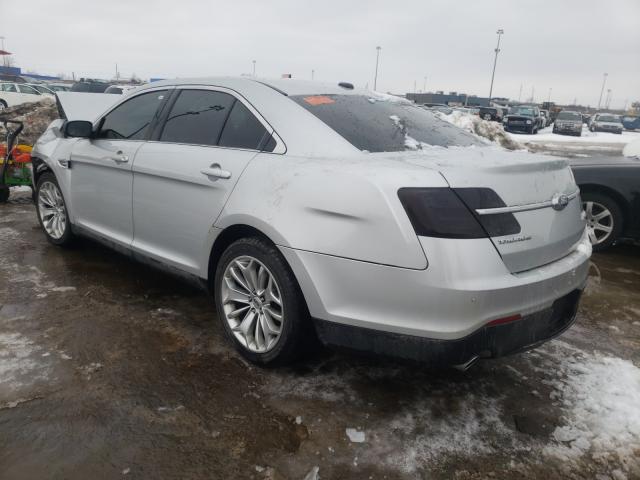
[609, 118]
[382, 123]
[197, 117]
[28, 89]
[131, 120]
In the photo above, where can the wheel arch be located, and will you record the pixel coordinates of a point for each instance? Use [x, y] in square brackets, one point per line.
[611, 193]
[39, 167]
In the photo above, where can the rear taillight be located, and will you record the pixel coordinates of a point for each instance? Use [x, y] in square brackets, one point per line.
[439, 212]
[451, 213]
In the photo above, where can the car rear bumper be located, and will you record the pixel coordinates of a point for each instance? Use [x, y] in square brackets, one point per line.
[487, 342]
[465, 287]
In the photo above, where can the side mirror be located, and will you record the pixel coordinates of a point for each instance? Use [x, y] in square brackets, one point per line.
[78, 129]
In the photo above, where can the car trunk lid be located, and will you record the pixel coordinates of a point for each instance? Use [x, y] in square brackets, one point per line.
[538, 191]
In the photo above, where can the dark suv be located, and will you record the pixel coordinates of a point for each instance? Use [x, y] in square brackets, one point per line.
[490, 113]
[90, 86]
[523, 118]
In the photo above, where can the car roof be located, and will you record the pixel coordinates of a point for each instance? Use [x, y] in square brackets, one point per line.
[285, 86]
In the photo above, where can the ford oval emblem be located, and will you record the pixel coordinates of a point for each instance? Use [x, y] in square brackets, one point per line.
[559, 201]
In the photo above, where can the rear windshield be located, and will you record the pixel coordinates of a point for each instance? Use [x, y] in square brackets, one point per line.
[383, 124]
[569, 116]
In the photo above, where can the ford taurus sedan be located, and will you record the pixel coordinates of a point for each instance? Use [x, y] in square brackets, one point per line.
[324, 210]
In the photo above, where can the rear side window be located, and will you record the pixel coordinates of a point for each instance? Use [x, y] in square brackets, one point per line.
[131, 120]
[28, 89]
[206, 117]
[242, 130]
[197, 117]
[382, 124]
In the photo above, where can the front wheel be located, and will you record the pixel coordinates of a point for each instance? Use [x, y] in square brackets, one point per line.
[604, 220]
[52, 210]
[260, 304]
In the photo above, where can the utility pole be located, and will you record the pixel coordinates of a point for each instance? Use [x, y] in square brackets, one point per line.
[117, 73]
[254, 68]
[4, 57]
[415, 88]
[604, 80]
[495, 61]
[533, 93]
[313, 73]
[375, 79]
[424, 85]
[549, 97]
[520, 94]
[608, 100]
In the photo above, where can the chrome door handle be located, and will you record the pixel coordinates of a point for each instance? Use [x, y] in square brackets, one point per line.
[120, 157]
[214, 171]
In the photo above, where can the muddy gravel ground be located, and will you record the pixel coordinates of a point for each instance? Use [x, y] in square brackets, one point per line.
[109, 369]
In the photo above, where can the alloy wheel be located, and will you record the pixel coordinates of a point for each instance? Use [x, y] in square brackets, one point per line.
[252, 304]
[599, 222]
[52, 210]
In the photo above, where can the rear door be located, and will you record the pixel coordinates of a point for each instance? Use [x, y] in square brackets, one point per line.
[101, 179]
[10, 95]
[183, 177]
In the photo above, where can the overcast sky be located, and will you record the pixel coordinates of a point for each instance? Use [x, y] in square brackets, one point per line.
[564, 45]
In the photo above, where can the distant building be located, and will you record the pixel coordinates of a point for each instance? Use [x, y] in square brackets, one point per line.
[454, 99]
[17, 71]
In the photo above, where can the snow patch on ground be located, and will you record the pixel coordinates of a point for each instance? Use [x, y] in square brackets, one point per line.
[600, 396]
[546, 135]
[18, 365]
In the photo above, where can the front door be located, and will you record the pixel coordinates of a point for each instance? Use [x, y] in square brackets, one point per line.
[101, 180]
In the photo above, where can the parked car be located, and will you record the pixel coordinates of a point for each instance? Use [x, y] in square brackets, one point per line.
[606, 122]
[442, 109]
[12, 94]
[546, 120]
[569, 123]
[306, 207]
[610, 196]
[59, 87]
[490, 113]
[522, 118]
[631, 122]
[120, 89]
[90, 86]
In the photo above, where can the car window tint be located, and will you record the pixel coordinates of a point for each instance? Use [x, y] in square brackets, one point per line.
[383, 123]
[131, 120]
[197, 117]
[28, 89]
[243, 129]
[9, 87]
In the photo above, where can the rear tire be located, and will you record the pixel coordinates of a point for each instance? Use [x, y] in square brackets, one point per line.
[611, 217]
[52, 211]
[249, 278]
[3, 105]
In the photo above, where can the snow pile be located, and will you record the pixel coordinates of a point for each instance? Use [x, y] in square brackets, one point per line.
[491, 131]
[36, 117]
[601, 398]
[632, 149]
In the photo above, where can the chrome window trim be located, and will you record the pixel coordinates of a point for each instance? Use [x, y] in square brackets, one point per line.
[523, 208]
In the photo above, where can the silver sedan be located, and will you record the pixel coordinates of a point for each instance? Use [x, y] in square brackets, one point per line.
[323, 210]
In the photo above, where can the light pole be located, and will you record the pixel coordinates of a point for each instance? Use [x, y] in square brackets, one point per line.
[500, 32]
[4, 57]
[313, 74]
[375, 79]
[607, 102]
[549, 97]
[424, 85]
[520, 94]
[604, 80]
[254, 68]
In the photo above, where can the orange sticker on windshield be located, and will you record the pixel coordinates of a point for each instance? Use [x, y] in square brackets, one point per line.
[319, 100]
